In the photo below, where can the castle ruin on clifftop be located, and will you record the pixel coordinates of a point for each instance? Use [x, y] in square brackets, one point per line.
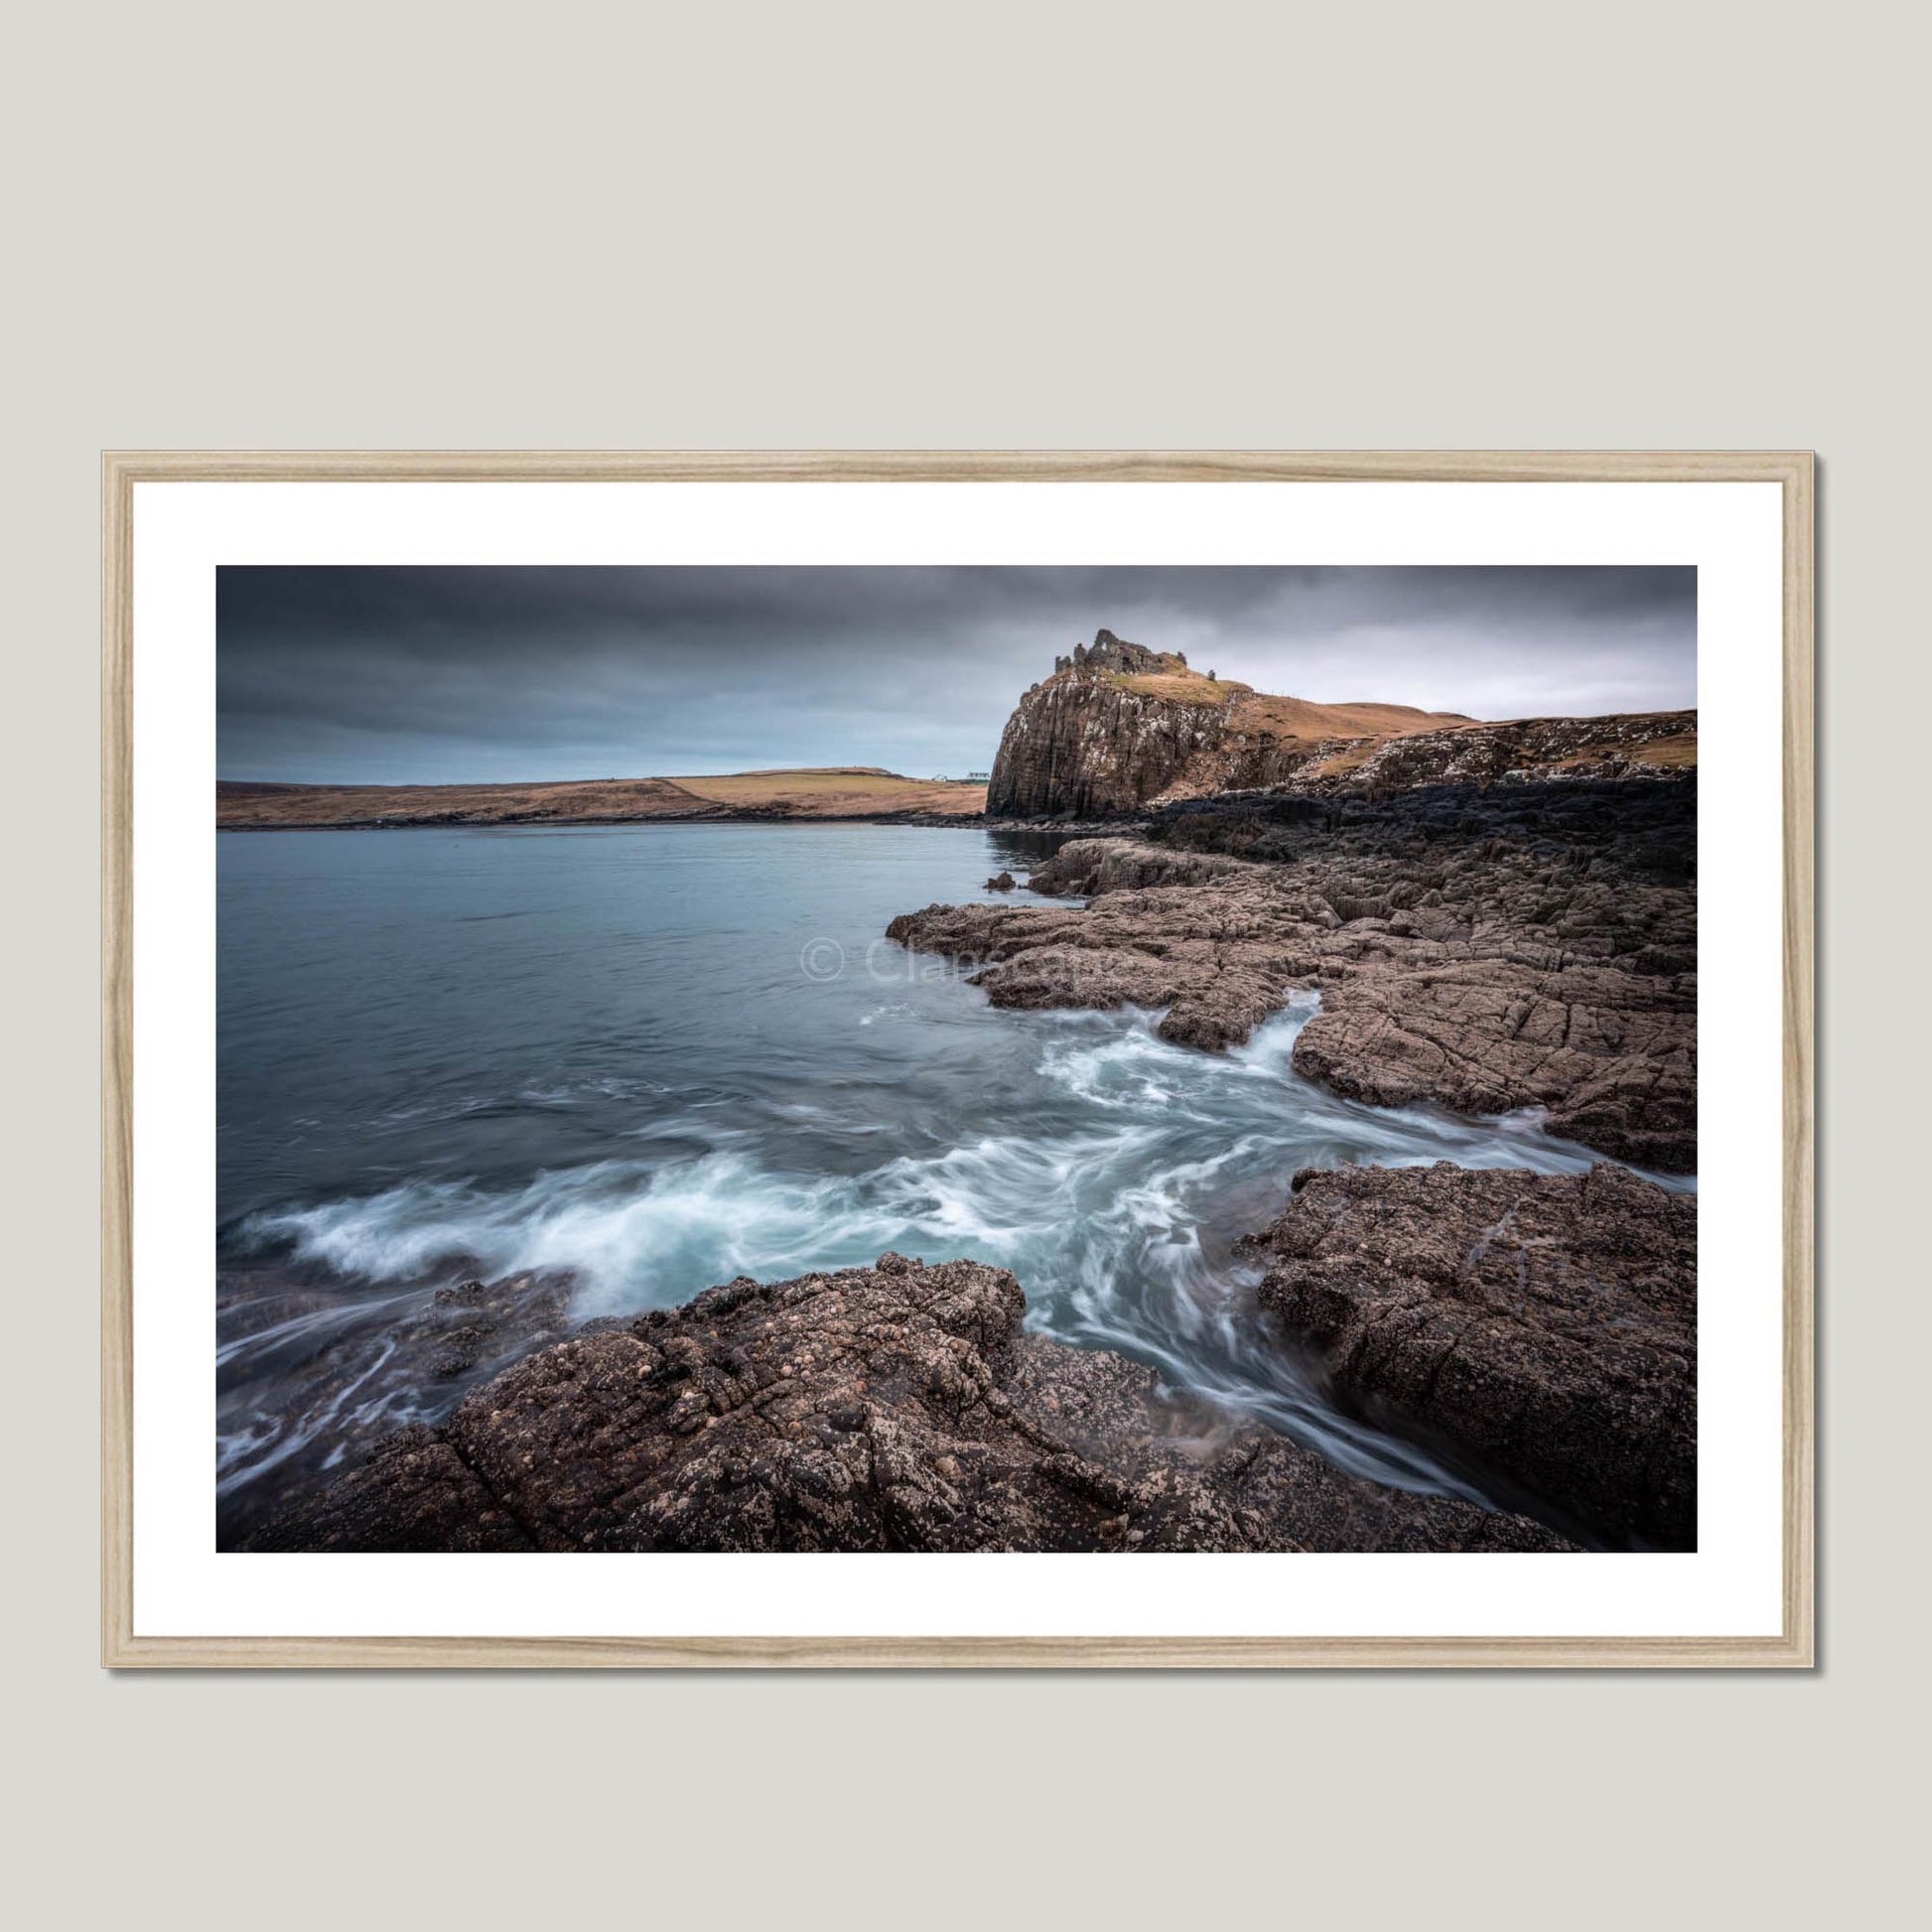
[1110, 653]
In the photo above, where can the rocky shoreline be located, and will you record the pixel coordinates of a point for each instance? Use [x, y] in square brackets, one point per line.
[894, 1408]
[1524, 946]
[1482, 949]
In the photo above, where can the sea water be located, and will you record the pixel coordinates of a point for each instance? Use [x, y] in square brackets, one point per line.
[645, 1059]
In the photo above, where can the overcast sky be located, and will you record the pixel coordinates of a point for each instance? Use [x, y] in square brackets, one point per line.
[439, 675]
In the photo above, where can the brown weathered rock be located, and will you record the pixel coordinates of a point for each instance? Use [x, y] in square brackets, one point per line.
[1547, 1324]
[1084, 744]
[417, 1488]
[1192, 1458]
[1269, 742]
[1489, 952]
[891, 1407]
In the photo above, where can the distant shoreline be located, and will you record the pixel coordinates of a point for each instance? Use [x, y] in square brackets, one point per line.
[826, 793]
[937, 821]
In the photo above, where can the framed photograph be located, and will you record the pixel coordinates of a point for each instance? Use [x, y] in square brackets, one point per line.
[957, 1059]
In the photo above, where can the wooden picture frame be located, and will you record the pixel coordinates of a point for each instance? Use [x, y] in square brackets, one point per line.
[123, 1646]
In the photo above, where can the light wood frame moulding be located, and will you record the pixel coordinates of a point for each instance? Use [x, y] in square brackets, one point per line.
[122, 470]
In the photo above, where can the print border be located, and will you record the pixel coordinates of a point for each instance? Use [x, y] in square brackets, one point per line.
[123, 1648]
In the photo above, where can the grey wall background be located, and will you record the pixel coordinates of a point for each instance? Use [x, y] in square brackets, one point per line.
[1129, 225]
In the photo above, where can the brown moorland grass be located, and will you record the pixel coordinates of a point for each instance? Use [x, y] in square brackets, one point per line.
[1341, 764]
[816, 781]
[1304, 719]
[1289, 718]
[837, 791]
[1678, 751]
[1675, 751]
[1178, 687]
[840, 791]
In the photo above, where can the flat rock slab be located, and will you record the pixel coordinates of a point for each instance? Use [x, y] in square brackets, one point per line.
[1545, 1322]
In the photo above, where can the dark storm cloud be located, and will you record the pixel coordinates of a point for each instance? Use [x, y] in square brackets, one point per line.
[431, 675]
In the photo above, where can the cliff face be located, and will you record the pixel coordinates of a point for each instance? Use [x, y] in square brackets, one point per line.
[1118, 727]
[1089, 743]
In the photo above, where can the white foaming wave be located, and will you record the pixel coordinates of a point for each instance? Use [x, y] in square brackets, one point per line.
[1157, 1202]
[1269, 1051]
[1149, 1230]
[1107, 1217]
[1000, 1195]
[621, 1230]
[637, 1233]
[1130, 1065]
[1109, 1200]
[1125, 1070]
[635, 1236]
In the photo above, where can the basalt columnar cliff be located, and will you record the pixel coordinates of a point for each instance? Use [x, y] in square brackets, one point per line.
[1119, 728]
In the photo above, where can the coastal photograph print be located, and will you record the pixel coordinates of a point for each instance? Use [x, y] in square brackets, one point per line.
[1011, 1024]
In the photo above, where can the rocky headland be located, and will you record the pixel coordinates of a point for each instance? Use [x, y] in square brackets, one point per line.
[1495, 919]
[1119, 728]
